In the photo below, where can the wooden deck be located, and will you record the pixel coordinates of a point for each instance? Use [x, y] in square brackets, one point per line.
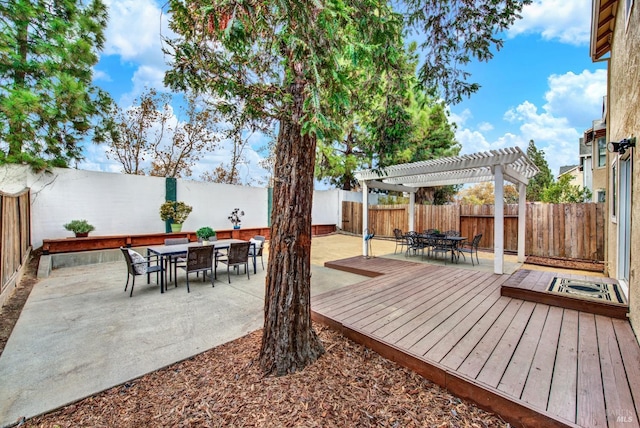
[532, 363]
[532, 286]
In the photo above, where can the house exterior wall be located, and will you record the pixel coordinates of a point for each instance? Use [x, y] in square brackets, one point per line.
[577, 177]
[624, 121]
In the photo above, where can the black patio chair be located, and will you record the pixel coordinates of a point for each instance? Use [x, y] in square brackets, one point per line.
[400, 240]
[451, 233]
[198, 259]
[441, 245]
[137, 265]
[237, 255]
[470, 248]
[414, 243]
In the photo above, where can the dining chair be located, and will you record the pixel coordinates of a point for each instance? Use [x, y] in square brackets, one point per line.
[470, 248]
[441, 245]
[172, 260]
[137, 265]
[198, 259]
[400, 240]
[237, 255]
[258, 244]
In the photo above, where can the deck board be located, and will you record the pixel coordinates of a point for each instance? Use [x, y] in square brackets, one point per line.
[518, 369]
[591, 408]
[538, 384]
[614, 377]
[535, 364]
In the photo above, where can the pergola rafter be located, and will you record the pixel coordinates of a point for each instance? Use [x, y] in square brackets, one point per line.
[510, 164]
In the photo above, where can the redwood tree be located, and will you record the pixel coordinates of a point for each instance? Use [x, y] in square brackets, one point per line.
[292, 61]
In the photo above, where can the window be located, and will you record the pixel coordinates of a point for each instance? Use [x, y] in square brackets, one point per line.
[601, 195]
[628, 5]
[602, 152]
[614, 191]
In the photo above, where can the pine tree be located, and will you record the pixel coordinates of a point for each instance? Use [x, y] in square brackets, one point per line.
[543, 179]
[47, 100]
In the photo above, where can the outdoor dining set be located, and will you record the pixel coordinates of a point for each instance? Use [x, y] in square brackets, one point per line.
[192, 257]
[431, 243]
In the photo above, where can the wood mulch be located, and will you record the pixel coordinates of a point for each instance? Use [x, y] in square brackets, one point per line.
[348, 386]
[588, 265]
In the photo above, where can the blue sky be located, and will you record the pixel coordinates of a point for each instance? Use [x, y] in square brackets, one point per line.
[542, 85]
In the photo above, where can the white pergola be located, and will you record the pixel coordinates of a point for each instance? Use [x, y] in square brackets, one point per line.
[510, 164]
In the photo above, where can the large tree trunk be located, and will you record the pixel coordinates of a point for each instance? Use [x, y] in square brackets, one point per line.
[288, 341]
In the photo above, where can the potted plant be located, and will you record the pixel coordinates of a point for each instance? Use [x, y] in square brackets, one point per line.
[205, 234]
[235, 217]
[80, 227]
[175, 211]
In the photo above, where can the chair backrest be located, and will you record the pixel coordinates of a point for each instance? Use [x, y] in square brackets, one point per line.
[238, 252]
[476, 240]
[429, 231]
[135, 267]
[397, 233]
[127, 258]
[261, 244]
[452, 233]
[199, 257]
[176, 241]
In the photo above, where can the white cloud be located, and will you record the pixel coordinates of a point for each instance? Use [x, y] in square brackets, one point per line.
[578, 97]
[567, 21]
[134, 30]
[101, 75]
[485, 126]
[572, 102]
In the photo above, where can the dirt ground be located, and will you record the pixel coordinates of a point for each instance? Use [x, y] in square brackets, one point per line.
[348, 386]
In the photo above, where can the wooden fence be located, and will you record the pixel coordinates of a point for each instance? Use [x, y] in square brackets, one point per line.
[574, 231]
[15, 237]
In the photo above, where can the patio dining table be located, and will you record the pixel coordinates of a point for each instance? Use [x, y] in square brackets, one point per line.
[166, 251]
[452, 242]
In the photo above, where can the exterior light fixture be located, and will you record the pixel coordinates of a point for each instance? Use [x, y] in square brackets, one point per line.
[622, 145]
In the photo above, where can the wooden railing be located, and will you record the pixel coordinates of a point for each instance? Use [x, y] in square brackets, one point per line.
[97, 242]
[15, 237]
[574, 231]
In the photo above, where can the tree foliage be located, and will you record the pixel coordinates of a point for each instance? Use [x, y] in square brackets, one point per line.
[239, 129]
[455, 32]
[484, 193]
[562, 191]
[48, 104]
[148, 139]
[543, 179]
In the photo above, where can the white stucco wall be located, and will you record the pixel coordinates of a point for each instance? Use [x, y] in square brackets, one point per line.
[119, 204]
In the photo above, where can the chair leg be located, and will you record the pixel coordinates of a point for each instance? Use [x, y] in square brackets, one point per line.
[127, 284]
[188, 291]
[133, 283]
[228, 274]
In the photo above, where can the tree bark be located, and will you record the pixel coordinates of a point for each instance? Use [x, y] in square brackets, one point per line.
[288, 342]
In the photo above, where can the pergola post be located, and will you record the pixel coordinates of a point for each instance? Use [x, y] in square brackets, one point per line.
[365, 217]
[412, 210]
[498, 224]
[522, 220]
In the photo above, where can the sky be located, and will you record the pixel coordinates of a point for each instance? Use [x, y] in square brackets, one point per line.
[541, 86]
